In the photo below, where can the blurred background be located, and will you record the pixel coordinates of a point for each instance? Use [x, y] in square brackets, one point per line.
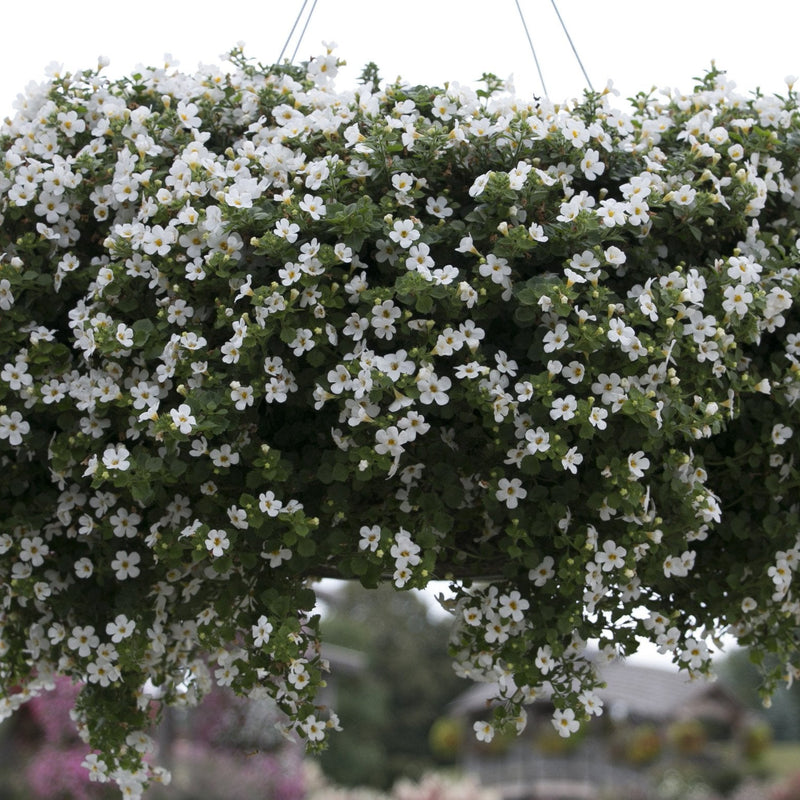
[407, 731]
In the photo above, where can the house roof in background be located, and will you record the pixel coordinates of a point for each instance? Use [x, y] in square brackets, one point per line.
[631, 690]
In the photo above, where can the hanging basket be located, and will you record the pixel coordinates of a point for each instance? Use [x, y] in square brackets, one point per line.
[256, 331]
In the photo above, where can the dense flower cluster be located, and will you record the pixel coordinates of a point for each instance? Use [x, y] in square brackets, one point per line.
[256, 331]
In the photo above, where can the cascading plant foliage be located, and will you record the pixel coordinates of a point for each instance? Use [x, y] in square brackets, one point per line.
[255, 331]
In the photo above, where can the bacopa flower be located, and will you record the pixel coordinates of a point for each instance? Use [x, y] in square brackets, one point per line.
[126, 565]
[13, 428]
[538, 353]
[117, 457]
[261, 631]
[484, 731]
[637, 464]
[217, 542]
[404, 233]
[121, 628]
[370, 537]
[183, 419]
[510, 492]
[564, 722]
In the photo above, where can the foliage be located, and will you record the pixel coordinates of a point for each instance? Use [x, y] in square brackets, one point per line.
[256, 331]
[387, 709]
[741, 673]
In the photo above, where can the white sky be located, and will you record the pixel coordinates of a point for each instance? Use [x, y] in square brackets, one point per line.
[637, 43]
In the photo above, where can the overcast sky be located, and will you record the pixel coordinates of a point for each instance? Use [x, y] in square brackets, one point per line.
[637, 43]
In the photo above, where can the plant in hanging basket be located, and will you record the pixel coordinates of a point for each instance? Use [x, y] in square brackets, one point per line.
[255, 331]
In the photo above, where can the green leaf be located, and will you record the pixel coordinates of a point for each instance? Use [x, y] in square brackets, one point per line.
[341, 472]
[325, 472]
[288, 333]
[315, 357]
[306, 547]
[142, 492]
[424, 303]
[453, 495]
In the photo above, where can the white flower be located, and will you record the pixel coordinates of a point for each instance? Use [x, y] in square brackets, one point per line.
[591, 703]
[433, 389]
[6, 295]
[612, 556]
[269, 505]
[684, 195]
[498, 269]
[564, 722]
[597, 417]
[183, 419]
[117, 457]
[513, 605]
[484, 731]
[33, 550]
[637, 464]
[479, 184]
[556, 339]
[544, 661]
[124, 335]
[737, 299]
[261, 631]
[404, 551]
[781, 433]
[313, 729]
[13, 428]
[125, 565]
[571, 460]
[510, 492]
[278, 556]
[390, 441]
[564, 408]
[242, 396]
[404, 233]
[223, 456]
[370, 538]
[84, 640]
[538, 440]
[543, 572]
[694, 653]
[84, 568]
[121, 628]
[591, 164]
[313, 206]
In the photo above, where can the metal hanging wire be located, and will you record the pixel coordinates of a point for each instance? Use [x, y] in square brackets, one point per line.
[569, 39]
[575, 52]
[302, 32]
[521, 16]
[533, 49]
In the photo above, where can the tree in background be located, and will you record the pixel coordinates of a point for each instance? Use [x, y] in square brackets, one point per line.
[743, 676]
[388, 709]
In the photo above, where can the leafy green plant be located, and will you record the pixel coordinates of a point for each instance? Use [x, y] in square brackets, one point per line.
[256, 331]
